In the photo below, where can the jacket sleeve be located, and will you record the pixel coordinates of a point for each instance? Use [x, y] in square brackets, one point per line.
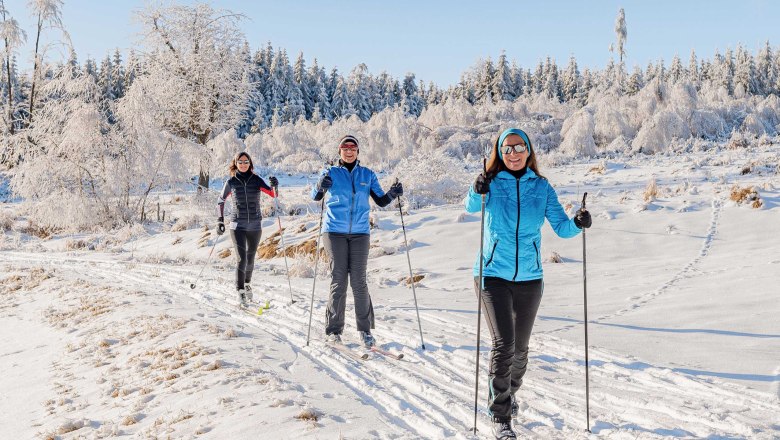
[381, 198]
[560, 222]
[222, 197]
[316, 193]
[265, 188]
[473, 201]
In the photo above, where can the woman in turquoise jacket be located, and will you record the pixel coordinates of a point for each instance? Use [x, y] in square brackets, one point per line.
[518, 200]
[346, 236]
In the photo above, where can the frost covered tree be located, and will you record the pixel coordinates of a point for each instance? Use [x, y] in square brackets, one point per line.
[621, 33]
[359, 85]
[48, 13]
[744, 74]
[765, 70]
[693, 69]
[301, 78]
[676, 70]
[414, 105]
[570, 81]
[193, 71]
[501, 85]
[13, 37]
[96, 173]
[341, 105]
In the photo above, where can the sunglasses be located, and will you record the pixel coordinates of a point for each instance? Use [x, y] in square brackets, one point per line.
[243, 162]
[519, 148]
[348, 147]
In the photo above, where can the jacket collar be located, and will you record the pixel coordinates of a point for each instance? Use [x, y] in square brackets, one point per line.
[504, 175]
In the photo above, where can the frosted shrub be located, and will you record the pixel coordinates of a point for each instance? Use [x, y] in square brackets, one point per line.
[651, 191]
[6, 221]
[432, 179]
[577, 133]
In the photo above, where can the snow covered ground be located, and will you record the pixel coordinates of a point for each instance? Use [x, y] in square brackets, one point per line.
[684, 323]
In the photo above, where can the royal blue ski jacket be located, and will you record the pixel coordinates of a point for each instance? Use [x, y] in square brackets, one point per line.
[346, 206]
[515, 210]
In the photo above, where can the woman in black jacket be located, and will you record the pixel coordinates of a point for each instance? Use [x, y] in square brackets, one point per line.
[245, 223]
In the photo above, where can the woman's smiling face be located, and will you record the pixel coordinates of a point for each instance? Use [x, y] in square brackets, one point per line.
[513, 160]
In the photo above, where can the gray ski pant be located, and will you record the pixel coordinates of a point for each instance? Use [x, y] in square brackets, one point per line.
[348, 258]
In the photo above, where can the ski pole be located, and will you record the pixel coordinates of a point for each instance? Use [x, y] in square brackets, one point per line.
[192, 286]
[479, 296]
[316, 261]
[411, 275]
[585, 302]
[281, 234]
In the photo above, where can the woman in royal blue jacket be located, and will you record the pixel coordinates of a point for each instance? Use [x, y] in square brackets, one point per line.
[346, 236]
[518, 200]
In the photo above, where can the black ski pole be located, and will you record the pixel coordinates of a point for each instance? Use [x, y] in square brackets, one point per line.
[281, 234]
[479, 296]
[411, 274]
[194, 283]
[585, 302]
[316, 261]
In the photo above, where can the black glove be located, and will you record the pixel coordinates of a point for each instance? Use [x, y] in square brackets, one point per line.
[274, 182]
[325, 183]
[220, 225]
[582, 219]
[396, 190]
[482, 185]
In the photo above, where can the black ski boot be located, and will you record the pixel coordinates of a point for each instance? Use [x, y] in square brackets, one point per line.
[503, 430]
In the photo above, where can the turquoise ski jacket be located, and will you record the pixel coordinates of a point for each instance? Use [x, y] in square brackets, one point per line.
[515, 210]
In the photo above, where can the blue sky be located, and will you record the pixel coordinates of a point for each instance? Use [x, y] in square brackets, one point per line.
[438, 40]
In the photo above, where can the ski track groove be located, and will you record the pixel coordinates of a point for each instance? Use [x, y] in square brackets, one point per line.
[443, 405]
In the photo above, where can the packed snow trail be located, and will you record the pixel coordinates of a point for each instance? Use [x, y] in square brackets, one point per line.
[430, 393]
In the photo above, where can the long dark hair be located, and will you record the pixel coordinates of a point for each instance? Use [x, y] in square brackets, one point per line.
[495, 165]
[234, 166]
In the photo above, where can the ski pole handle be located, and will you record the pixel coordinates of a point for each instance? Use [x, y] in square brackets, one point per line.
[583, 199]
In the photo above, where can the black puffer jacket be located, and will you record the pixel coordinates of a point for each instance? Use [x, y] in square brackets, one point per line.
[245, 189]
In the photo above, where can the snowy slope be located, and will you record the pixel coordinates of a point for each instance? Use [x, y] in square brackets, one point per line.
[684, 326]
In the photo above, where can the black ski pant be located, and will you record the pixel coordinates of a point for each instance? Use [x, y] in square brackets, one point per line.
[510, 310]
[348, 258]
[245, 244]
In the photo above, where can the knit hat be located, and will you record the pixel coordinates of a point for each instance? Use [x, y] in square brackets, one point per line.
[516, 131]
[348, 138]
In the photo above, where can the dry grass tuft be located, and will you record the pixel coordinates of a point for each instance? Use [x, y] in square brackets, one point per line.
[224, 253]
[601, 168]
[408, 281]
[748, 194]
[651, 191]
[176, 241]
[74, 245]
[555, 257]
[308, 415]
[42, 232]
[129, 420]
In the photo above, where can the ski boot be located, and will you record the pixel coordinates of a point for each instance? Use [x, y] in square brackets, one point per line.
[368, 339]
[503, 430]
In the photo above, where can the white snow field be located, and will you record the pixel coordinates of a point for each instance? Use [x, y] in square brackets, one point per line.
[684, 323]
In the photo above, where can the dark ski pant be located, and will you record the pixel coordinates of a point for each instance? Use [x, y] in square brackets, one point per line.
[510, 310]
[245, 244]
[348, 258]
